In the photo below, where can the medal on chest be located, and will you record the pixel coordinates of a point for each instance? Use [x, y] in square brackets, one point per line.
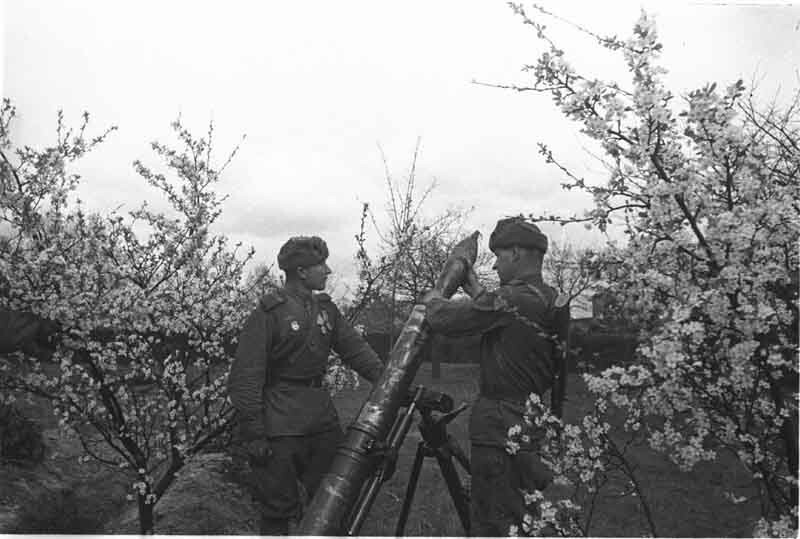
[323, 322]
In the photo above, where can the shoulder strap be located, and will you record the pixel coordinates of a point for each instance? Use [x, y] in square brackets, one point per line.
[546, 299]
[271, 300]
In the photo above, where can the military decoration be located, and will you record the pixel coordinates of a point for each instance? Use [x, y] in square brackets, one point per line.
[324, 322]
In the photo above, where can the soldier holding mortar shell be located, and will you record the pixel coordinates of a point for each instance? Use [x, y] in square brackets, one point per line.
[522, 326]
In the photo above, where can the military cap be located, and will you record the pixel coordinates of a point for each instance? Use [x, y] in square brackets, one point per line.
[517, 231]
[302, 251]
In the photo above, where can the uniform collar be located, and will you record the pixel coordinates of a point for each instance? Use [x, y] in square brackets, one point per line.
[298, 291]
[528, 278]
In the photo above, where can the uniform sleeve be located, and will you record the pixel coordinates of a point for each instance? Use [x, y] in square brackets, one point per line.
[355, 352]
[474, 317]
[248, 374]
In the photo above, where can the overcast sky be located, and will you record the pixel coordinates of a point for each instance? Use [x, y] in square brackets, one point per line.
[317, 86]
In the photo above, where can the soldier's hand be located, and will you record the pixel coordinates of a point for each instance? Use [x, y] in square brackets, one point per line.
[258, 450]
[471, 284]
[433, 293]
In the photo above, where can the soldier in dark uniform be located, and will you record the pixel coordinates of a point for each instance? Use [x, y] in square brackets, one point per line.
[520, 324]
[288, 425]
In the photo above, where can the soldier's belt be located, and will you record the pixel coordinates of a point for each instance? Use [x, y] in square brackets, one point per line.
[306, 382]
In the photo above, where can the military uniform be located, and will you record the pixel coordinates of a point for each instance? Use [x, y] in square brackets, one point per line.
[518, 324]
[276, 386]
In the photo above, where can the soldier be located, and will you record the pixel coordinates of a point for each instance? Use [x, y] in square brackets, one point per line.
[520, 324]
[288, 425]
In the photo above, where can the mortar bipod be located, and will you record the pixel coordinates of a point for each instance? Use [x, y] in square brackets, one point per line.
[436, 442]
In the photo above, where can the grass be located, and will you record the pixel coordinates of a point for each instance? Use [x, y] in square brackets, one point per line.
[683, 504]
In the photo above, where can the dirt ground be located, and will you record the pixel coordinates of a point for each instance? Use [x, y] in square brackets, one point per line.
[63, 496]
[684, 504]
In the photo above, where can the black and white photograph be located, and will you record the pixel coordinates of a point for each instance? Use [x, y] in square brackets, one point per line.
[429, 269]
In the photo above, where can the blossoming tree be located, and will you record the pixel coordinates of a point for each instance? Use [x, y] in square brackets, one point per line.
[147, 305]
[706, 189]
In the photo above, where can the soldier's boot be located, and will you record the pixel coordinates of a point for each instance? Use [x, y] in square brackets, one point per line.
[274, 526]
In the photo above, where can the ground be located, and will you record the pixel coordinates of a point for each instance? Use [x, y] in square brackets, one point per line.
[61, 495]
[684, 504]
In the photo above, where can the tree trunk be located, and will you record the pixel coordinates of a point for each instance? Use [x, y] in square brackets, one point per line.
[788, 432]
[145, 515]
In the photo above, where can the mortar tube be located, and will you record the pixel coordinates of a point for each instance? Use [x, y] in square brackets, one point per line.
[352, 466]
